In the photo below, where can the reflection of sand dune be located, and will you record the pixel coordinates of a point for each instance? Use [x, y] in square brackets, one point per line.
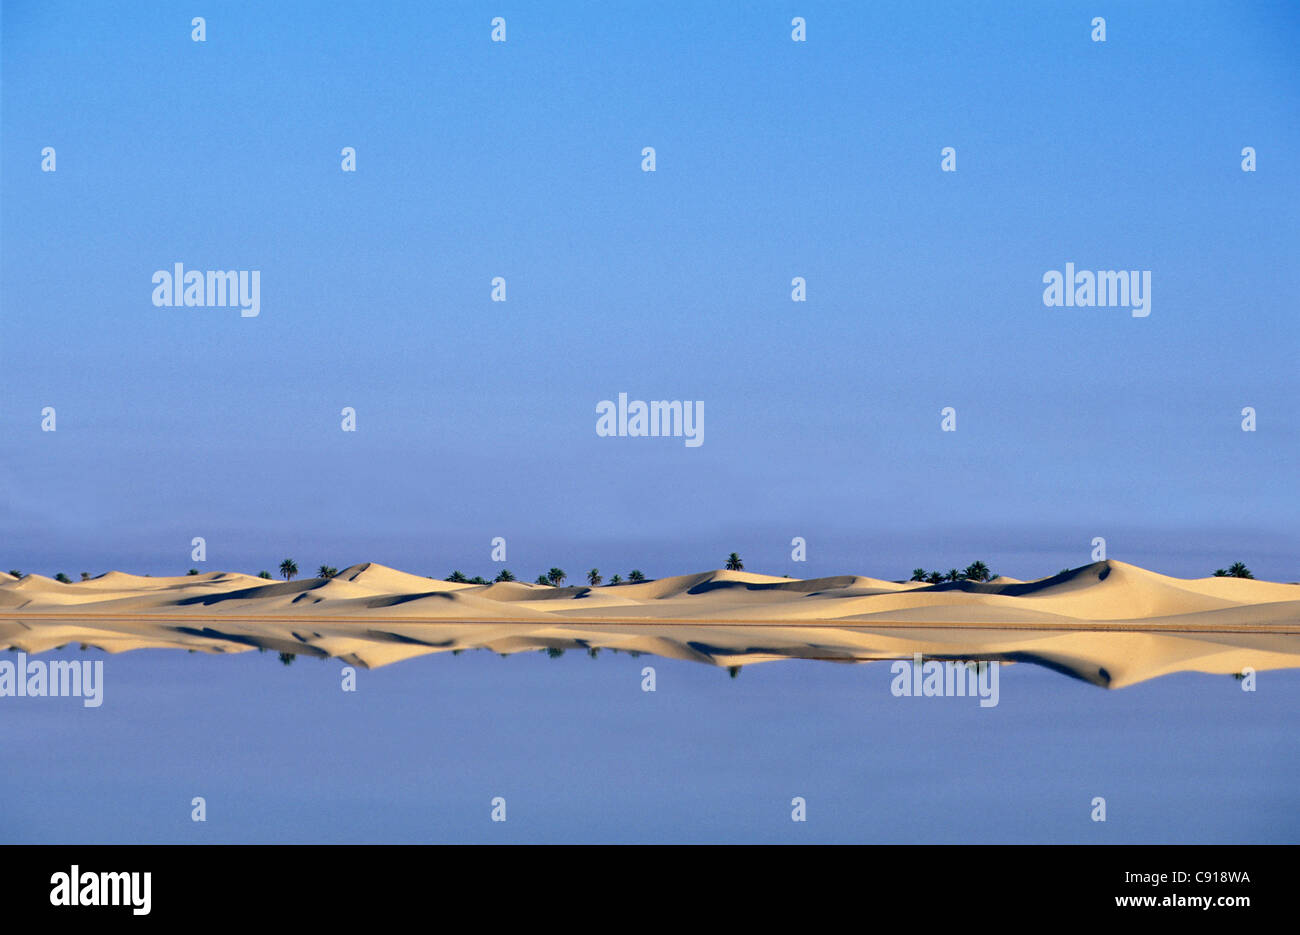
[1110, 623]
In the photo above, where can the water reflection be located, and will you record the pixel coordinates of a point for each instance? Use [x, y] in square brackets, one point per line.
[1105, 655]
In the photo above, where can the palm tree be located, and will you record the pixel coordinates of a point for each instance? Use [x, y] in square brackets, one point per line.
[542, 579]
[556, 576]
[15, 572]
[1220, 572]
[478, 579]
[264, 574]
[505, 575]
[934, 577]
[977, 571]
[635, 575]
[288, 568]
[593, 577]
[458, 577]
[918, 574]
[953, 575]
[62, 577]
[192, 571]
[325, 571]
[616, 578]
[1239, 570]
[734, 563]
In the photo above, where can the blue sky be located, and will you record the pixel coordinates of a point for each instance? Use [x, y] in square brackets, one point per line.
[775, 159]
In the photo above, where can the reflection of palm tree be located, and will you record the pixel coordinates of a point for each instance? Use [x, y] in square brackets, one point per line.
[1239, 570]
[288, 568]
[734, 563]
[593, 577]
[287, 658]
[635, 575]
[556, 576]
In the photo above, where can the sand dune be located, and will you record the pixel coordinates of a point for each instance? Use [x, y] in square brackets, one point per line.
[1109, 622]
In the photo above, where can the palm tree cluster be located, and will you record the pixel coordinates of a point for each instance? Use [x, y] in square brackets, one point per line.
[460, 578]
[975, 571]
[557, 576]
[1235, 570]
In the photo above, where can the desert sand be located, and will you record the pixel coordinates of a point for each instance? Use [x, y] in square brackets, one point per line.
[1110, 623]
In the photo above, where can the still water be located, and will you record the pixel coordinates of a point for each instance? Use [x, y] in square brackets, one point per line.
[579, 752]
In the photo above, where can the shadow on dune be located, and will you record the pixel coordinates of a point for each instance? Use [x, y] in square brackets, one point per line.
[1086, 574]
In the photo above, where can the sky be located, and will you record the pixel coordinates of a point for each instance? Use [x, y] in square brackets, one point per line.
[774, 159]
